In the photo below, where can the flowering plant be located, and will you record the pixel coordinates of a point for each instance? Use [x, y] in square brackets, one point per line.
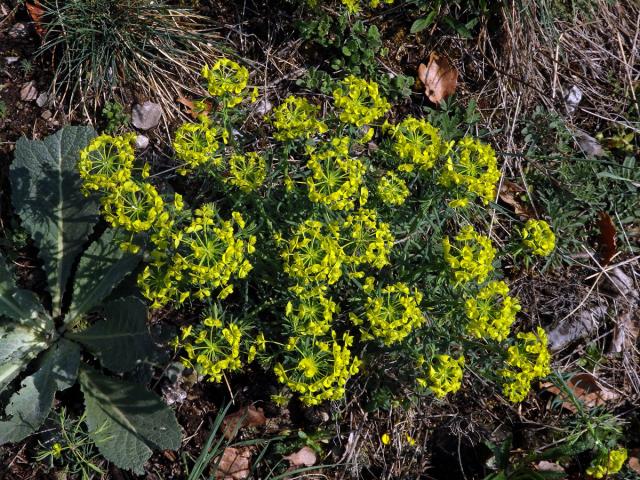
[332, 238]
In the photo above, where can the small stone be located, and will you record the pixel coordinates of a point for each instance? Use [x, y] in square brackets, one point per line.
[4, 10]
[11, 60]
[28, 92]
[142, 142]
[46, 115]
[42, 99]
[572, 99]
[146, 116]
[19, 30]
[589, 145]
[263, 107]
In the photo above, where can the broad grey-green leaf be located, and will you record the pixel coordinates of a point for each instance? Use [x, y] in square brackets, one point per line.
[19, 304]
[102, 267]
[46, 194]
[28, 407]
[18, 346]
[122, 340]
[126, 421]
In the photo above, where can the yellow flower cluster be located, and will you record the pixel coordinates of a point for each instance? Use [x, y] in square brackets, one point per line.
[538, 237]
[106, 162]
[471, 258]
[607, 463]
[296, 118]
[336, 178]
[391, 314]
[313, 254]
[527, 360]
[392, 189]
[360, 101]
[417, 143]
[316, 369]
[475, 170]
[353, 6]
[247, 172]
[311, 313]
[133, 206]
[365, 240]
[227, 80]
[492, 312]
[216, 346]
[445, 375]
[198, 144]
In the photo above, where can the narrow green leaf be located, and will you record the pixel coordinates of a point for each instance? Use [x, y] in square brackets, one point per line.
[422, 23]
[28, 407]
[131, 421]
[18, 304]
[102, 267]
[46, 195]
[122, 340]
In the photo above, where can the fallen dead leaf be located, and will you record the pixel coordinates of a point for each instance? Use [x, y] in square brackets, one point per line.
[545, 466]
[28, 92]
[588, 145]
[511, 193]
[607, 240]
[572, 328]
[586, 388]
[634, 462]
[439, 76]
[233, 464]
[305, 457]
[245, 417]
[193, 111]
[36, 13]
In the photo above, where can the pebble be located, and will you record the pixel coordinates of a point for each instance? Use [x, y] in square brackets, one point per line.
[142, 142]
[11, 60]
[28, 92]
[146, 116]
[46, 115]
[263, 107]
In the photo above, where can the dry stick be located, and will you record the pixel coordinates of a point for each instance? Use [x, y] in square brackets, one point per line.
[613, 267]
[555, 68]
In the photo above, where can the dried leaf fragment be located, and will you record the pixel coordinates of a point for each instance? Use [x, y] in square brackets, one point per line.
[245, 417]
[608, 241]
[305, 457]
[439, 76]
[28, 92]
[193, 110]
[36, 12]
[233, 464]
[511, 193]
[586, 388]
[546, 466]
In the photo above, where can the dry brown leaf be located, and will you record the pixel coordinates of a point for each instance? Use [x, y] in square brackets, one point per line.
[245, 417]
[439, 76]
[625, 331]
[305, 457]
[511, 193]
[586, 388]
[634, 462]
[608, 242]
[233, 464]
[36, 12]
[191, 106]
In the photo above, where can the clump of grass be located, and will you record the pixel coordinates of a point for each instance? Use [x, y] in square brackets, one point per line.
[100, 45]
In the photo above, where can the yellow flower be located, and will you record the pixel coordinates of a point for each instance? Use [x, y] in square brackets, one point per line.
[335, 178]
[472, 171]
[106, 162]
[247, 172]
[471, 257]
[385, 439]
[135, 207]
[607, 463]
[391, 314]
[527, 360]
[392, 190]
[365, 240]
[297, 118]
[227, 80]
[492, 311]
[198, 145]
[359, 101]
[538, 237]
[445, 375]
[418, 144]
